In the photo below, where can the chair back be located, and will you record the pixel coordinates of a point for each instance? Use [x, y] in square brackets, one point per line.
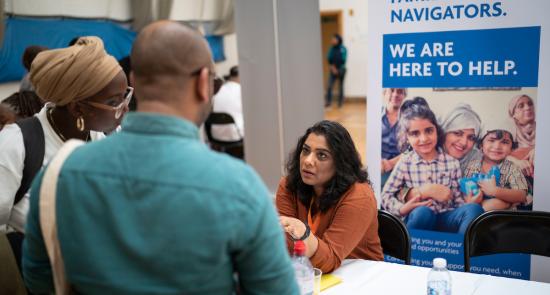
[394, 236]
[502, 231]
[234, 148]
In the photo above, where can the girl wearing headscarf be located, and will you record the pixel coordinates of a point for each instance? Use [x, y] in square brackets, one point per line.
[86, 95]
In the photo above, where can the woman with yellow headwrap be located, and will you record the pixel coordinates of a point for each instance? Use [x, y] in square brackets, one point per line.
[86, 93]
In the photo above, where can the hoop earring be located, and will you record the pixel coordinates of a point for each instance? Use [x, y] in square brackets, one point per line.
[80, 123]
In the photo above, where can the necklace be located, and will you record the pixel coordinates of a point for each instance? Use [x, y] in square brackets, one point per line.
[57, 131]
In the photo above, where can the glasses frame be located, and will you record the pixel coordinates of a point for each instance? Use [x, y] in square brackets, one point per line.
[119, 108]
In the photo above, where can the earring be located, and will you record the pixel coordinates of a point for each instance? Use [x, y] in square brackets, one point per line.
[80, 123]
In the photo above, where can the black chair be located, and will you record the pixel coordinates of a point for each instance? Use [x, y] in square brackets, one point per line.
[234, 148]
[501, 231]
[394, 236]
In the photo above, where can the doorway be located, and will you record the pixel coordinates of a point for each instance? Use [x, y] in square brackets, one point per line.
[331, 23]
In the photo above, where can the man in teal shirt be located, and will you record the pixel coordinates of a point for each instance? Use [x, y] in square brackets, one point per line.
[151, 210]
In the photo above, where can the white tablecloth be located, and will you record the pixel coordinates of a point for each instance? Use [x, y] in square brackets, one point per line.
[372, 277]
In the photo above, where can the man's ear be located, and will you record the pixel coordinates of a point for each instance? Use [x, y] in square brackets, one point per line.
[203, 85]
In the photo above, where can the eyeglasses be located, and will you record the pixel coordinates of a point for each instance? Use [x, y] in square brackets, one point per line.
[119, 109]
[218, 82]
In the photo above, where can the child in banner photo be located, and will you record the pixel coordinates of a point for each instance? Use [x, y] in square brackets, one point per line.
[497, 144]
[431, 199]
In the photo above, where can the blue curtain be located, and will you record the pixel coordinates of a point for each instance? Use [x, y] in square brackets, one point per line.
[21, 32]
[55, 33]
[216, 46]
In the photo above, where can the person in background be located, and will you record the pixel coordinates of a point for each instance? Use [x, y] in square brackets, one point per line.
[73, 41]
[7, 115]
[28, 56]
[337, 57]
[85, 90]
[229, 101]
[496, 145]
[394, 98]
[154, 201]
[327, 200]
[24, 103]
[426, 165]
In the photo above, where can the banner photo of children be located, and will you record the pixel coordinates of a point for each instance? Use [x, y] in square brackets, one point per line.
[458, 136]
[450, 154]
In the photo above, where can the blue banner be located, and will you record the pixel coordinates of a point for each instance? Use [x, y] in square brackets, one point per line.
[427, 245]
[474, 58]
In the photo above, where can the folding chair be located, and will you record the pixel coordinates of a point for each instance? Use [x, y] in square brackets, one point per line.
[234, 148]
[502, 231]
[394, 236]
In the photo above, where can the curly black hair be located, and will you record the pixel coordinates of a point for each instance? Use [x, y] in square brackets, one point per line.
[347, 164]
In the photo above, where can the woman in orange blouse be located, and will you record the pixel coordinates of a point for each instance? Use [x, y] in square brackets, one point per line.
[326, 199]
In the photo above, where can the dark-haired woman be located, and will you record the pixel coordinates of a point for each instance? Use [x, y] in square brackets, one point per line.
[326, 199]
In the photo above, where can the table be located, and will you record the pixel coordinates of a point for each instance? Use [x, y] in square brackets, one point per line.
[376, 277]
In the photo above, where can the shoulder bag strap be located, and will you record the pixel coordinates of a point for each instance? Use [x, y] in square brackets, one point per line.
[48, 215]
[35, 145]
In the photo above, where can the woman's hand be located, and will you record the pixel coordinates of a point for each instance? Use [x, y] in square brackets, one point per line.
[293, 226]
[415, 200]
[435, 191]
[488, 187]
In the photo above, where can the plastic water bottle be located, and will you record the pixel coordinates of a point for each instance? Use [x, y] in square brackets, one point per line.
[302, 269]
[439, 278]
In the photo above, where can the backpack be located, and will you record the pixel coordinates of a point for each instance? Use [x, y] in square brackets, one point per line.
[35, 145]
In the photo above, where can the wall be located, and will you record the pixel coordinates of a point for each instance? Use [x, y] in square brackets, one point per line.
[7, 89]
[354, 29]
[355, 38]
[281, 78]
[113, 9]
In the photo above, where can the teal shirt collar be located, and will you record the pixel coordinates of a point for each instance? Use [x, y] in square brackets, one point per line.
[154, 123]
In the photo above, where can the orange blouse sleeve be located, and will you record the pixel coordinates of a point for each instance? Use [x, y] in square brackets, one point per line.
[286, 206]
[354, 216]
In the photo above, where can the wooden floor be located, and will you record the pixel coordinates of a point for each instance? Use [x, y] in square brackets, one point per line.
[353, 115]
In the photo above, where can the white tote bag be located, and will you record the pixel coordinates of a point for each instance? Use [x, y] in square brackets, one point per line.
[48, 216]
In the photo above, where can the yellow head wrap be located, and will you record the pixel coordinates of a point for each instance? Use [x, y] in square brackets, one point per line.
[74, 73]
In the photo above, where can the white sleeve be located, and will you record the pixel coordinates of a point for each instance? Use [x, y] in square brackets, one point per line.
[12, 155]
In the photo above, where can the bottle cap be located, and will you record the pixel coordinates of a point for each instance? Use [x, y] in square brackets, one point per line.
[440, 262]
[299, 248]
